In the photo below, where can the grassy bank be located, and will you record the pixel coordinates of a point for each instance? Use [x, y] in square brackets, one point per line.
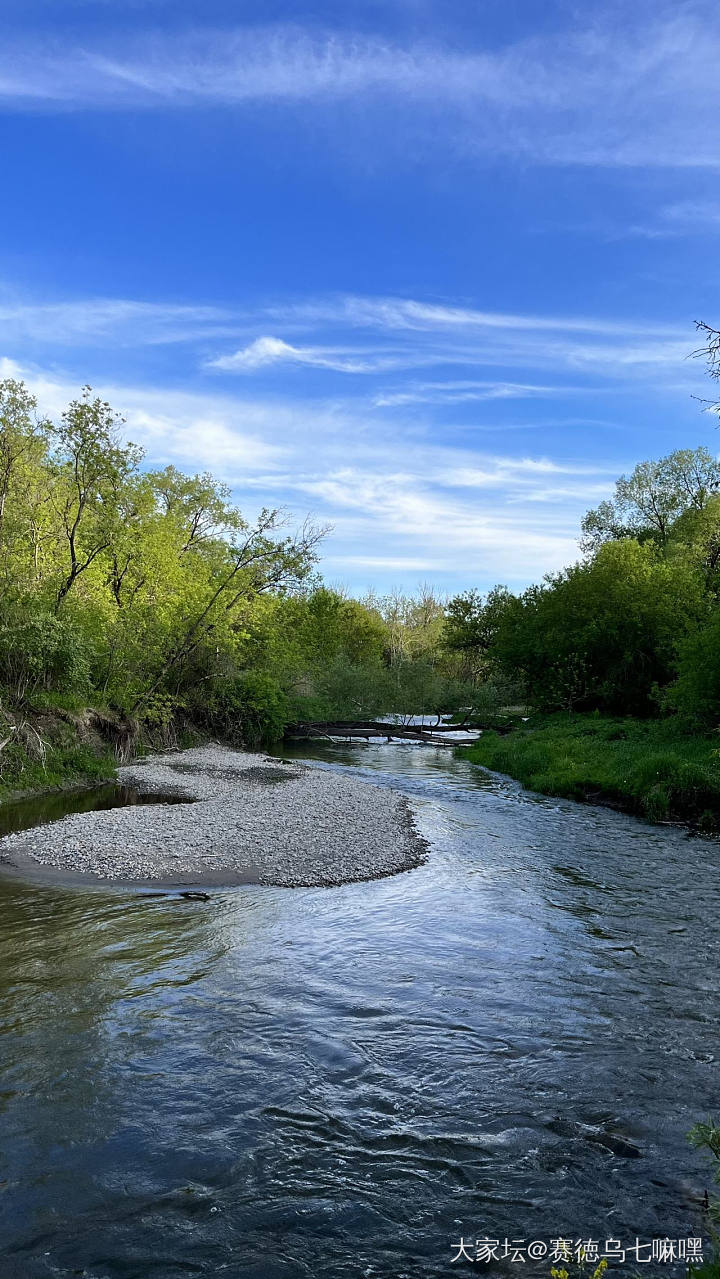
[647, 767]
[48, 749]
[45, 748]
[74, 766]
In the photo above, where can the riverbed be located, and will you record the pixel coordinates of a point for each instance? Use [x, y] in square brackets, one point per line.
[225, 817]
[510, 1040]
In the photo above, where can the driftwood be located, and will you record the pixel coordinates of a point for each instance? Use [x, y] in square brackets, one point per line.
[368, 729]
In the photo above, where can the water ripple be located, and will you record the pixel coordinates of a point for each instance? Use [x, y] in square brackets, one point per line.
[513, 1039]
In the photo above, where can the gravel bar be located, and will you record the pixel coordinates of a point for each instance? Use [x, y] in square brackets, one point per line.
[248, 819]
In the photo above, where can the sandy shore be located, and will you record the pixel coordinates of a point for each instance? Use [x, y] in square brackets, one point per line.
[248, 819]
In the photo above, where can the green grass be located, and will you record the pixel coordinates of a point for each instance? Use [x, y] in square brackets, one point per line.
[63, 766]
[649, 767]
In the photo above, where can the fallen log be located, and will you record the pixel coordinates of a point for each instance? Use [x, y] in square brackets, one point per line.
[368, 730]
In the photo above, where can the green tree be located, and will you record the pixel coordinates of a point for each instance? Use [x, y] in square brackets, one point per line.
[696, 691]
[91, 467]
[649, 500]
[255, 563]
[471, 628]
[24, 442]
[603, 635]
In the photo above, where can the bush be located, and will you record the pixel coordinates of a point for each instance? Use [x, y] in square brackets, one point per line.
[249, 709]
[696, 692]
[40, 651]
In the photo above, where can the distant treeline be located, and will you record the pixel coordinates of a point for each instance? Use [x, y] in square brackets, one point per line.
[147, 592]
[634, 627]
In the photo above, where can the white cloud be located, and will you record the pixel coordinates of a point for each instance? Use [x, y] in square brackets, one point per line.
[412, 315]
[370, 337]
[685, 217]
[264, 351]
[398, 503]
[469, 392]
[391, 563]
[191, 430]
[426, 334]
[259, 353]
[105, 321]
[519, 475]
[406, 334]
[496, 543]
[603, 92]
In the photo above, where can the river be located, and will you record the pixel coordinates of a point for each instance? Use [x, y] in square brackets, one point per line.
[323, 1083]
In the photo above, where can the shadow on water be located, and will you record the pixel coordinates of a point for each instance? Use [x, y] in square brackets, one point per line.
[39, 810]
[330, 1083]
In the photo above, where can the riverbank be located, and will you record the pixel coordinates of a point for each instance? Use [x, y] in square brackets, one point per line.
[55, 748]
[645, 767]
[245, 819]
[33, 766]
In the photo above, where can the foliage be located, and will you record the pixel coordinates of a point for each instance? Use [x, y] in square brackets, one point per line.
[250, 709]
[649, 500]
[122, 582]
[150, 593]
[39, 651]
[471, 628]
[634, 630]
[602, 634]
[633, 627]
[696, 691]
[582, 1269]
[62, 763]
[706, 1136]
[413, 624]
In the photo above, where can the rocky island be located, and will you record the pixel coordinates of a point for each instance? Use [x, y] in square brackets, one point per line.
[242, 818]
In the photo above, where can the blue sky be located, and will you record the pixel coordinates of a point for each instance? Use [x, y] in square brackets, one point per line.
[426, 270]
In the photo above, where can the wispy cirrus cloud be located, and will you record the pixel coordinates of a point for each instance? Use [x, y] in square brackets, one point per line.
[497, 356]
[438, 332]
[368, 338]
[553, 345]
[102, 321]
[398, 505]
[497, 539]
[393, 314]
[600, 92]
[410, 334]
[468, 392]
[265, 351]
[684, 217]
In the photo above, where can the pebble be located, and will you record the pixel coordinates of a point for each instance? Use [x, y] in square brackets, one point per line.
[249, 817]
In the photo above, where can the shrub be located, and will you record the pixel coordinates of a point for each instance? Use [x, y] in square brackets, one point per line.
[696, 692]
[249, 709]
[40, 651]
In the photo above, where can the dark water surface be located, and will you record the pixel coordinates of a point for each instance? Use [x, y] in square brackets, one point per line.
[37, 810]
[320, 1083]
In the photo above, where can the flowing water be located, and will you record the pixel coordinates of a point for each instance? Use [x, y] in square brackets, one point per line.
[323, 1083]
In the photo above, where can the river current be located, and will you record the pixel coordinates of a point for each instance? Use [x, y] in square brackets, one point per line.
[512, 1041]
